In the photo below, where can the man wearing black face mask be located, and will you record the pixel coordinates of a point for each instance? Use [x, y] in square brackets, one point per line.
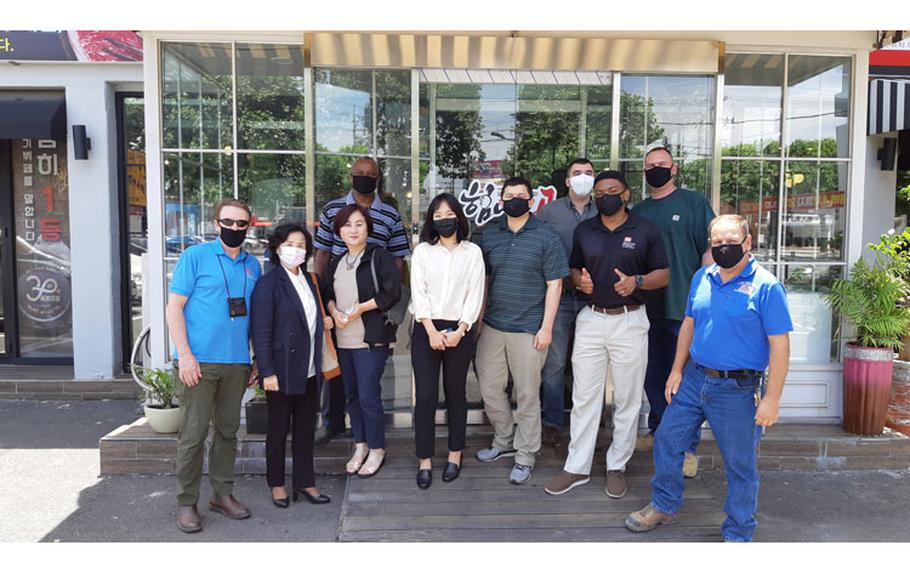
[737, 325]
[207, 318]
[388, 232]
[683, 218]
[614, 256]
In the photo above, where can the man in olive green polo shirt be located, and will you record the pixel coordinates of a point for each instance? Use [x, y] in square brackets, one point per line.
[683, 217]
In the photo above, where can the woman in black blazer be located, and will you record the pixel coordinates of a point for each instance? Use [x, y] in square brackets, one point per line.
[287, 329]
[362, 333]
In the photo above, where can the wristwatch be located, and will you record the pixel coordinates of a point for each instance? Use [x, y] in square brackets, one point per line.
[639, 280]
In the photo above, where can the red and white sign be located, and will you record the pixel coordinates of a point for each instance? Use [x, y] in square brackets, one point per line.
[481, 200]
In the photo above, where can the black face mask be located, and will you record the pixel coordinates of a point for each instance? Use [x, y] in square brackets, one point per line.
[727, 256]
[658, 177]
[516, 207]
[232, 238]
[364, 184]
[445, 227]
[609, 204]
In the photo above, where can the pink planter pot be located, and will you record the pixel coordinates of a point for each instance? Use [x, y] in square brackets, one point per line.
[867, 388]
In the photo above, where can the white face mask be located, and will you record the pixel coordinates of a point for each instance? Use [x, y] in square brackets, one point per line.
[582, 184]
[291, 257]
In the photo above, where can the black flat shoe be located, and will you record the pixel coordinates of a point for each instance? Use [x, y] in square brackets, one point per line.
[318, 500]
[451, 471]
[424, 478]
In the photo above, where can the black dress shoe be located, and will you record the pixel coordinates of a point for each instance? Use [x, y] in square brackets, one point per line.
[281, 503]
[318, 500]
[424, 478]
[451, 471]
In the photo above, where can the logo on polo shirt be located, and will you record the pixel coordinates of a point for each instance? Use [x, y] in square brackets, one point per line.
[676, 217]
[746, 288]
[628, 243]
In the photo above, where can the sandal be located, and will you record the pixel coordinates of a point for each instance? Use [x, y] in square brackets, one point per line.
[356, 461]
[373, 463]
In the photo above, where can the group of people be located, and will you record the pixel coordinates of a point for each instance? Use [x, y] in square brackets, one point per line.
[664, 298]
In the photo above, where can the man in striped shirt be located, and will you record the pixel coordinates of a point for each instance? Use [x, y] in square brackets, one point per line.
[388, 232]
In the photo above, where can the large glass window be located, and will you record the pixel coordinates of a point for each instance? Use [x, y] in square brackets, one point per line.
[794, 196]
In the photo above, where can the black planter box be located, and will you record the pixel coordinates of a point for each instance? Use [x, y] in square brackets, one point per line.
[257, 417]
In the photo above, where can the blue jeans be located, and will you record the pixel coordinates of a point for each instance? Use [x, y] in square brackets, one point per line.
[729, 407]
[552, 376]
[361, 370]
[662, 337]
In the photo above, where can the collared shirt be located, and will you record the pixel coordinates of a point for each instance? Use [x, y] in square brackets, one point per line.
[683, 218]
[562, 216]
[200, 275]
[388, 229]
[733, 320]
[309, 308]
[635, 248]
[447, 284]
[519, 266]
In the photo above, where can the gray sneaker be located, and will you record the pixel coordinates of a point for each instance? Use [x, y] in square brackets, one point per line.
[520, 474]
[492, 454]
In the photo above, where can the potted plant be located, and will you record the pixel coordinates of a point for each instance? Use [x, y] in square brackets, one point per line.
[873, 300]
[159, 397]
[257, 413]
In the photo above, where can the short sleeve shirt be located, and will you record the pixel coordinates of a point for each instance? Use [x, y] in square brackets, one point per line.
[519, 266]
[207, 276]
[388, 230]
[634, 248]
[733, 320]
[683, 218]
[562, 216]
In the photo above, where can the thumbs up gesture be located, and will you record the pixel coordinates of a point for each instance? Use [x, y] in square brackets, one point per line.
[587, 284]
[625, 285]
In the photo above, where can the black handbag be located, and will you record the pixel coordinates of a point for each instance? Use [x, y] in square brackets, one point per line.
[396, 314]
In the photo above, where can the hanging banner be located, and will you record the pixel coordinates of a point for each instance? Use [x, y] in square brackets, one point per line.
[481, 200]
[72, 45]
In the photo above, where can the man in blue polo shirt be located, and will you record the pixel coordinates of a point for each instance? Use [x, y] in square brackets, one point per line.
[737, 325]
[207, 317]
[526, 263]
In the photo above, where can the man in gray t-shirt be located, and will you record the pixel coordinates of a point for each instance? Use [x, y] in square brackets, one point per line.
[563, 215]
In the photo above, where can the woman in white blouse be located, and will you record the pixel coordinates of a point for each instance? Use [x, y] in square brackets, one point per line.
[447, 283]
[287, 329]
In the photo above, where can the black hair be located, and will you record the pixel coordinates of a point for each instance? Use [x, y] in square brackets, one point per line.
[429, 234]
[281, 234]
[345, 213]
[580, 161]
[612, 174]
[518, 180]
[659, 149]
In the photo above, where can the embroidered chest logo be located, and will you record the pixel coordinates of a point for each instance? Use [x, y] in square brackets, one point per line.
[746, 288]
[628, 243]
[676, 218]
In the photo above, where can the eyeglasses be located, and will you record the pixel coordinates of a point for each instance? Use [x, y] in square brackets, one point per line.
[240, 223]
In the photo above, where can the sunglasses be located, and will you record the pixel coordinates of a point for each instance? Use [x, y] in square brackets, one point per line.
[240, 223]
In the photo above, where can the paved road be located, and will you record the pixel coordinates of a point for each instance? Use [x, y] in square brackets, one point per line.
[53, 492]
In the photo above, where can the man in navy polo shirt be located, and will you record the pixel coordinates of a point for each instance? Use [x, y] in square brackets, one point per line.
[525, 264]
[615, 256]
[207, 317]
[737, 325]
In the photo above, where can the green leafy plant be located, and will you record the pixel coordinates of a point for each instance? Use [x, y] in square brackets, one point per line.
[161, 389]
[874, 300]
[258, 393]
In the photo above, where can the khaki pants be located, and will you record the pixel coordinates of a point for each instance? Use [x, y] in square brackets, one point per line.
[498, 354]
[216, 400]
[620, 343]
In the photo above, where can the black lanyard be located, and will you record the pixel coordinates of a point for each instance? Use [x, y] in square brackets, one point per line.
[224, 275]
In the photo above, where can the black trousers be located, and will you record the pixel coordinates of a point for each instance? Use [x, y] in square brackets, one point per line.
[285, 410]
[454, 363]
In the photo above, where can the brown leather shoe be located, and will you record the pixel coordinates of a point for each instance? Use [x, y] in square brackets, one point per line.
[188, 519]
[229, 507]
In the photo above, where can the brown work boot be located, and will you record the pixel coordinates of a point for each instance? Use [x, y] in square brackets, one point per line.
[564, 482]
[188, 519]
[647, 519]
[229, 507]
[551, 436]
[690, 466]
[616, 484]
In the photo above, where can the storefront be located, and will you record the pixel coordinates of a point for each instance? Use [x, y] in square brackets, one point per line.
[64, 134]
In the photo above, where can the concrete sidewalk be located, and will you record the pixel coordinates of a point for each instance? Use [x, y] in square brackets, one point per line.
[49, 464]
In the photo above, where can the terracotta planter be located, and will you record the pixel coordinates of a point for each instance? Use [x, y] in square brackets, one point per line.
[867, 388]
[899, 410]
[163, 420]
[257, 417]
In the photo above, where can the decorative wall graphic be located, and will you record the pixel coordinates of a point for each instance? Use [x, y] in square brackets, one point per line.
[481, 200]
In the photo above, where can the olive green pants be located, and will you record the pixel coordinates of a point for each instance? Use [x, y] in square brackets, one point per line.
[216, 400]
